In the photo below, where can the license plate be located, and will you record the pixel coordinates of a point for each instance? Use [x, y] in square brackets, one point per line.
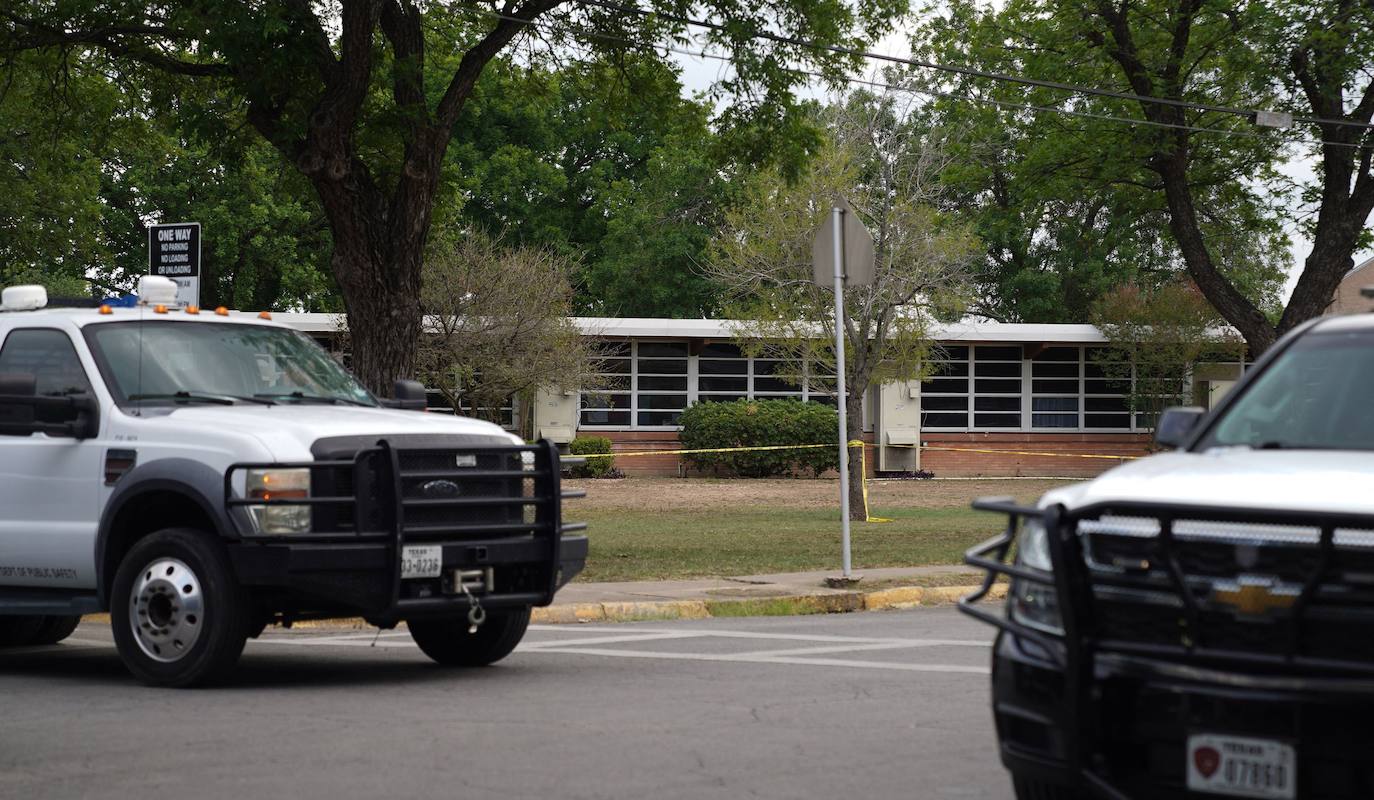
[1241, 767]
[421, 561]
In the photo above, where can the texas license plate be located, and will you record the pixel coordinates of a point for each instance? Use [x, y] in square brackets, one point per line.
[421, 561]
[1241, 767]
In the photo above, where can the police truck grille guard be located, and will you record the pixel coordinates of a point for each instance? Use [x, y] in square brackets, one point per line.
[427, 495]
[1158, 592]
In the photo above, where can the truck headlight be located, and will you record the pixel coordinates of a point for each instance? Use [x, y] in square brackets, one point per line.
[1035, 604]
[279, 484]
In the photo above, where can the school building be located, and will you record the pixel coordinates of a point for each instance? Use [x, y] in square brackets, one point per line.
[1013, 389]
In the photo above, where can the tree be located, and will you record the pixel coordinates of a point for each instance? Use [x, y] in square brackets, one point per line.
[605, 159]
[1066, 202]
[887, 167]
[1157, 336]
[497, 324]
[363, 97]
[1201, 58]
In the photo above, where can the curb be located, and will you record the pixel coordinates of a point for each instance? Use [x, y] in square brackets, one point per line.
[900, 597]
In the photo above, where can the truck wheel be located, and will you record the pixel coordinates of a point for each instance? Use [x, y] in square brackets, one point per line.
[448, 642]
[55, 629]
[18, 631]
[1027, 789]
[178, 615]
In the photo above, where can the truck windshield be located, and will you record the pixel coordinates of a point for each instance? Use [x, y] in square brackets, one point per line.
[186, 362]
[1316, 395]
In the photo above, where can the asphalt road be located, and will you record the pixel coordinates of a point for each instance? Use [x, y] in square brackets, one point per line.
[873, 705]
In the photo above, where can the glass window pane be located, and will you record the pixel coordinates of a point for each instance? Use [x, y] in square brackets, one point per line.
[612, 366]
[1106, 404]
[614, 349]
[997, 354]
[952, 352]
[1054, 370]
[659, 417]
[670, 384]
[593, 417]
[1054, 404]
[1054, 387]
[942, 369]
[775, 385]
[721, 350]
[996, 404]
[595, 400]
[945, 386]
[1107, 420]
[997, 370]
[997, 420]
[1106, 387]
[663, 366]
[716, 367]
[944, 420]
[662, 349]
[944, 403]
[1054, 420]
[713, 384]
[997, 386]
[766, 367]
[1058, 354]
[678, 401]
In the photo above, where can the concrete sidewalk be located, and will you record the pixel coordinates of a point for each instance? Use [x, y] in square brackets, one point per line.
[757, 595]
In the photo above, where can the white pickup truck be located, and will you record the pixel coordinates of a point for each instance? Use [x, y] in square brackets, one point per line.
[1200, 623]
[203, 474]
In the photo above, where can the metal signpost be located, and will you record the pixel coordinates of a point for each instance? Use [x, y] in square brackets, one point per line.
[174, 252]
[842, 255]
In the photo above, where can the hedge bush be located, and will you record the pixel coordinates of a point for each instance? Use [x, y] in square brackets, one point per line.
[754, 423]
[595, 467]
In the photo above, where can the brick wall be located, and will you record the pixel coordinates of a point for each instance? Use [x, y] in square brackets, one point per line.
[943, 464]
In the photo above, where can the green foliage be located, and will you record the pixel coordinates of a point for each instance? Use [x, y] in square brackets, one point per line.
[755, 423]
[595, 467]
[1070, 207]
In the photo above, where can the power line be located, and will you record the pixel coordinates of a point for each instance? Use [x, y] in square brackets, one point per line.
[967, 71]
[590, 34]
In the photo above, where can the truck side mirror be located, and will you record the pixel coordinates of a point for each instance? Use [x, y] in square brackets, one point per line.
[17, 391]
[86, 425]
[1175, 424]
[409, 395]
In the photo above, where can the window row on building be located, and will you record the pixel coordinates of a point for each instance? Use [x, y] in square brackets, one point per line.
[648, 384]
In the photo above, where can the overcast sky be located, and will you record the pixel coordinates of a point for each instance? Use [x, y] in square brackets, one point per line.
[698, 75]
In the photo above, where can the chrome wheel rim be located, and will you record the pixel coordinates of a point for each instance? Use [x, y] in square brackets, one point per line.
[166, 610]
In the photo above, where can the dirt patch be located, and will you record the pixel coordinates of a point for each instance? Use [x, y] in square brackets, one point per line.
[722, 494]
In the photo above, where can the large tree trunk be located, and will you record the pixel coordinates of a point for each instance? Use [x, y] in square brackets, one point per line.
[382, 300]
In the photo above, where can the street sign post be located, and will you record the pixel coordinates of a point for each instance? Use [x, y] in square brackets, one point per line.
[174, 252]
[842, 255]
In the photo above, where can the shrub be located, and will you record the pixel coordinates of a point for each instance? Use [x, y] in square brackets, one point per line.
[754, 423]
[595, 467]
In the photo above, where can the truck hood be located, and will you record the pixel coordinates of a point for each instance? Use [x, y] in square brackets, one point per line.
[1293, 480]
[288, 429]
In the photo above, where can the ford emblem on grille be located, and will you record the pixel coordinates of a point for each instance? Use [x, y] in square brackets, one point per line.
[440, 489]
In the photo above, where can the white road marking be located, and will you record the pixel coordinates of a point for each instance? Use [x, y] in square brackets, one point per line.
[635, 637]
[834, 648]
[795, 637]
[761, 658]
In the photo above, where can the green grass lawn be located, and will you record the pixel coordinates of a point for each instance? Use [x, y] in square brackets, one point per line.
[629, 545]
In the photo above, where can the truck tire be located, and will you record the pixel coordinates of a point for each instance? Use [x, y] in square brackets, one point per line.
[447, 641]
[55, 629]
[178, 615]
[1028, 789]
[18, 631]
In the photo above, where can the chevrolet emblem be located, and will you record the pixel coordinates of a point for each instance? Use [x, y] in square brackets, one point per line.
[1254, 596]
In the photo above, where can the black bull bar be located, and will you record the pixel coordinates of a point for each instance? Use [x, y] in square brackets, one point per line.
[516, 515]
[1322, 555]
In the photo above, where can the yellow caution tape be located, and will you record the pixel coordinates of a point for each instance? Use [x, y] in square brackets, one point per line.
[1016, 452]
[854, 443]
[702, 450]
[863, 471]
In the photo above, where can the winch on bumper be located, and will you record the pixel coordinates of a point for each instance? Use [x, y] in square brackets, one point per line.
[1153, 651]
[405, 530]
